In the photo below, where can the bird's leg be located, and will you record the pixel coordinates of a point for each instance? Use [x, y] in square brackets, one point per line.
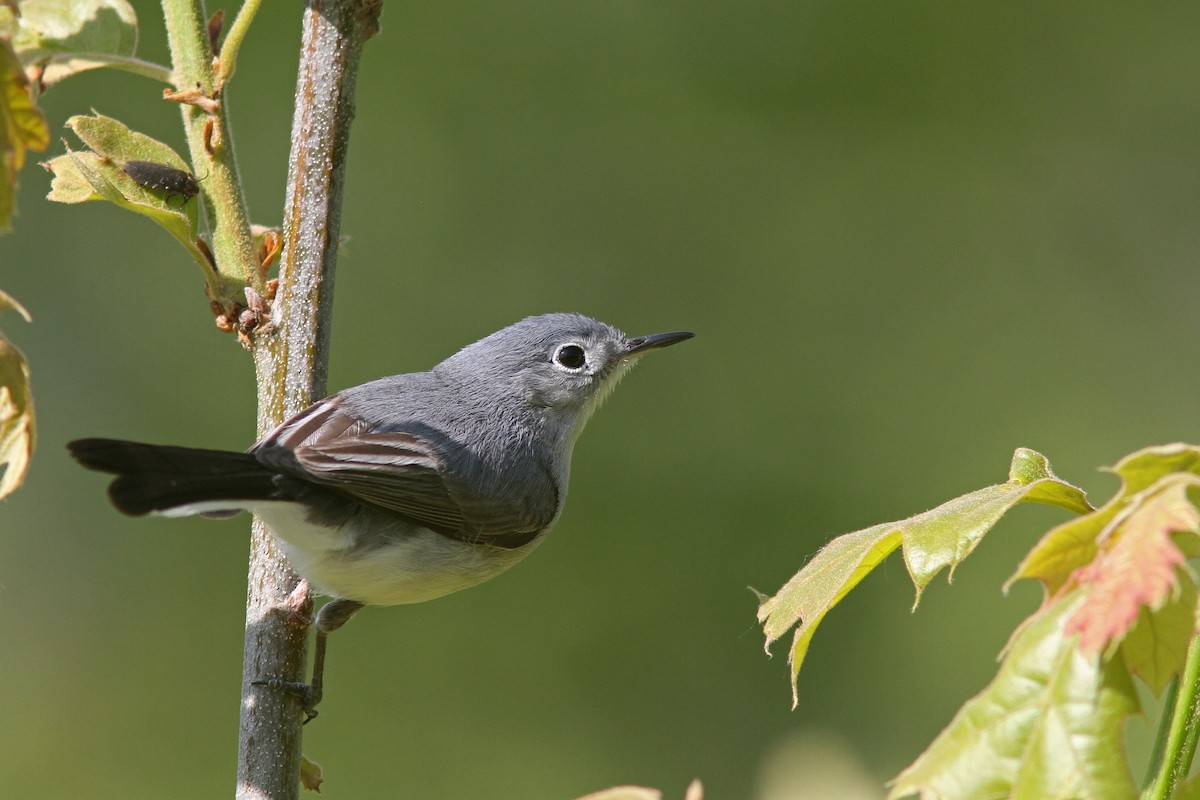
[332, 616]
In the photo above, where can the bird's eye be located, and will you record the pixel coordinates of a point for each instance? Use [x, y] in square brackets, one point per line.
[570, 356]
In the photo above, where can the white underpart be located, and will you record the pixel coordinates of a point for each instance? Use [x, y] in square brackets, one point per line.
[420, 565]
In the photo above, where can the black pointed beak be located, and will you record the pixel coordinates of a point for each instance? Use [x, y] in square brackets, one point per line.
[655, 341]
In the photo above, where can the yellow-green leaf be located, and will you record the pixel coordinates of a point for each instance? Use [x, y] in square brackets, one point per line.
[1050, 725]
[76, 26]
[932, 541]
[813, 591]
[1155, 648]
[22, 127]
[1188, 790]
[111, 139]
[100, 175]
[16, 409]
[69, 184]
[1073, 544]
[59, 38]
[311, 776]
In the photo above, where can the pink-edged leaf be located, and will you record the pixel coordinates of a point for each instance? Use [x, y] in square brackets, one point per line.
[1138, 568]
[1074, 544]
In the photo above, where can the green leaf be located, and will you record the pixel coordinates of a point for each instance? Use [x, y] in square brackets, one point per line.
[1188, 790]
[56, 39]
[69, 184]
[17, 433]
[817, 588]
[1050, 725]
[932, 541]
[111, 184]
[99, 175]
[311, 776]
[75, 26]
[1073, 544]
[109, 138]
[1155, 648]
[22, 127]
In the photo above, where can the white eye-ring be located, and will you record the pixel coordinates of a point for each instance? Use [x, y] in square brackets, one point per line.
[570, 357]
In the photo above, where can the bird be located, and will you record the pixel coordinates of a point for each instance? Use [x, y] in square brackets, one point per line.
[406, 488]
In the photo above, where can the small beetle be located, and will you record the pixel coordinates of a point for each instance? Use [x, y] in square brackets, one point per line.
[164, 178]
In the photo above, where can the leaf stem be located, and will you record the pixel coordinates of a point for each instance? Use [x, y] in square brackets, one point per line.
[1175, 745]
[137, 66]
[233, 41]
[224, 203]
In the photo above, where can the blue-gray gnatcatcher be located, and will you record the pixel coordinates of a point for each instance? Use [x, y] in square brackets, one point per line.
[406, 488]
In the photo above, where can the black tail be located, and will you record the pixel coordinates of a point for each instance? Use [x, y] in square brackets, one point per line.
[153, 477]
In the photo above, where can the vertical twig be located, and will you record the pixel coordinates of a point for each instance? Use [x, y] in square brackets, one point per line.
[1179, 728]
[225, 205]
[291, 368]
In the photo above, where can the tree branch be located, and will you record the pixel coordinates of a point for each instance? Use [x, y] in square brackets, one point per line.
[225, 206]
[291, 367]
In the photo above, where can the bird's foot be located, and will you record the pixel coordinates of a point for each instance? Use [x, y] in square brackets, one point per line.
[306, 693]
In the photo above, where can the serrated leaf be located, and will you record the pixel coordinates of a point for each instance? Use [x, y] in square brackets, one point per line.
[111, 184]
[820, 585]
[1155, 648]
[311, 776]
[1072, 545]
[59, 38]
[22, 127]
[69, 184]
[932, 541]
[76, 26]
[1050, 725]
[111, 139]
[1138, 564]
[946, 535]
[99, 175]
[17, 433]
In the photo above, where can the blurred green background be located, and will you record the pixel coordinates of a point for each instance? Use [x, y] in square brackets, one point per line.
[909, 236]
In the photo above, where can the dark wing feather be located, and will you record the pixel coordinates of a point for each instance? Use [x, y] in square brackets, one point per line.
[398, 472]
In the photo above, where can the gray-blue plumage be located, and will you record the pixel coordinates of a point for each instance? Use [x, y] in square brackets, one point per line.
[412, 486]
[406, 488]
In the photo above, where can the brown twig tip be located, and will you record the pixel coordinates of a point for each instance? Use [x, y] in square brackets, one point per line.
[268, 251]
[369, 11]
[216, 24]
